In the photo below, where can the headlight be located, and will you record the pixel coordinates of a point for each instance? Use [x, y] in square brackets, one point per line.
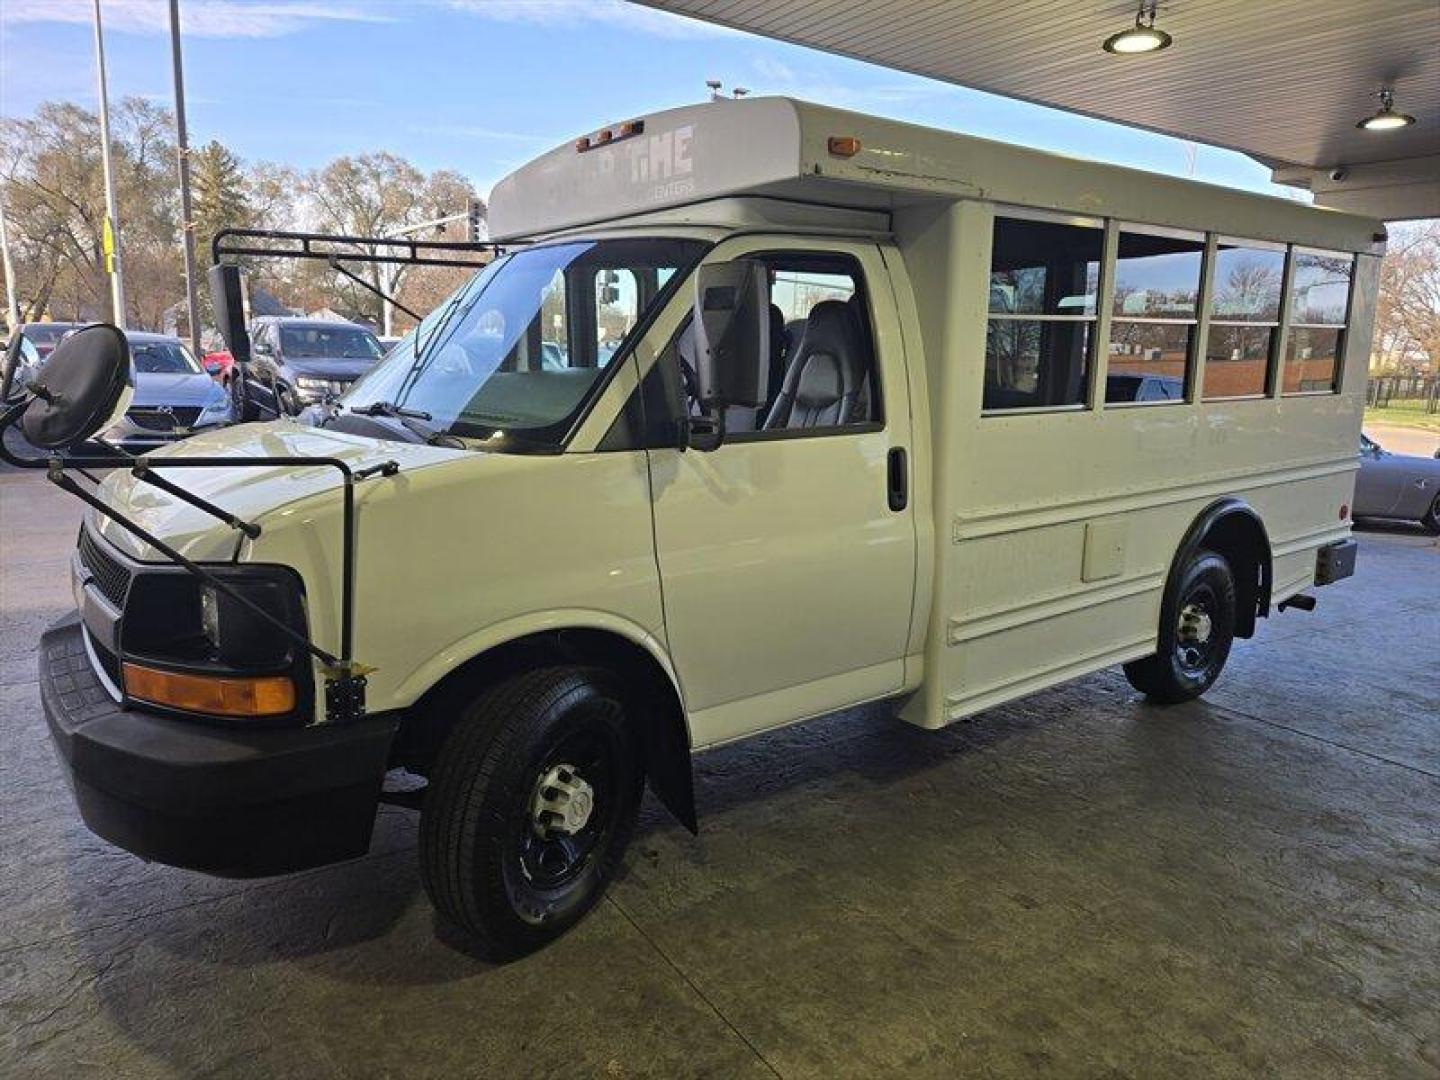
[217, 410]
[321, 386]
[178, 625]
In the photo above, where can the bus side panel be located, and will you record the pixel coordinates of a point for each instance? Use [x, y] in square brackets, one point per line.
[1055, 531]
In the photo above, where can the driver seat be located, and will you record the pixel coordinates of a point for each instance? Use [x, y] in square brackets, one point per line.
[824, 377]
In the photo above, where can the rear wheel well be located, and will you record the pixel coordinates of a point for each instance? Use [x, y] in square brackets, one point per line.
[1233, 530]
[650, 698]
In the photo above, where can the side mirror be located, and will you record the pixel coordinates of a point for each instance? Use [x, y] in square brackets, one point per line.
[84, 388]
[227, 295]
[732, 335]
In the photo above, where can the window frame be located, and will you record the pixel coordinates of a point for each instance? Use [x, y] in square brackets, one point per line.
[1102, 290]
[633, 428]
[1272, 352]
[1190, 379]
[1342, 339]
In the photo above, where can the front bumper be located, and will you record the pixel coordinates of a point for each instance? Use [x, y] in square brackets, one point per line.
[228, 801]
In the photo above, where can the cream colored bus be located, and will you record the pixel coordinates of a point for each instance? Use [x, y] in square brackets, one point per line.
[765, 411]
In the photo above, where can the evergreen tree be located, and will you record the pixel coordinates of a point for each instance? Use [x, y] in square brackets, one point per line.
[220, 197]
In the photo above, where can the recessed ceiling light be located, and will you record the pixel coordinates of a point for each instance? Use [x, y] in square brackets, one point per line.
[1140, 38]
[1386, 118]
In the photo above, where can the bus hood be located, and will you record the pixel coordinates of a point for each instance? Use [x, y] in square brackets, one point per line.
[250, 492]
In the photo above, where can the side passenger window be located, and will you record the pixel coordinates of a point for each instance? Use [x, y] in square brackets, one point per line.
[822, 372]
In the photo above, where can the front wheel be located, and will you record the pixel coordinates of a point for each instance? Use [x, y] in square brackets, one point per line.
[530, 807]
[1196, 638]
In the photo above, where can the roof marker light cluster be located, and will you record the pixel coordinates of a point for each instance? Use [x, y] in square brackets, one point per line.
[629, 129]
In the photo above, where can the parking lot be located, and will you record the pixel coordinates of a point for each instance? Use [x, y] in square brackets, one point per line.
[1077, 884]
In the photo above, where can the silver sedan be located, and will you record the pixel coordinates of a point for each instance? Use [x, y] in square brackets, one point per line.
[1397, 486]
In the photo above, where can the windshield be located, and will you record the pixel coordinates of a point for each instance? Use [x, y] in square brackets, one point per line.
[163, 358]
[329, 343]
[47, 333]
[519, 350]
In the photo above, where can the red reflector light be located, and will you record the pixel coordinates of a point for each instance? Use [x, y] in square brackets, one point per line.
[844, 145]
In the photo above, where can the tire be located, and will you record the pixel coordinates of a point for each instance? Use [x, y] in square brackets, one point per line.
[488, 865]
[1431, 520]
[243, 407]
[1195, 638]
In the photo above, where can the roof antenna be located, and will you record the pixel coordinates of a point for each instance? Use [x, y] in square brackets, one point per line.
[714, 85]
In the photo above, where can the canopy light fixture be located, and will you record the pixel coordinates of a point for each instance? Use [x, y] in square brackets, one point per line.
[1386, 118]
[1140, 38]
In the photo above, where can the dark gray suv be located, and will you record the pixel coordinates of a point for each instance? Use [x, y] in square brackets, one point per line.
[310, 361]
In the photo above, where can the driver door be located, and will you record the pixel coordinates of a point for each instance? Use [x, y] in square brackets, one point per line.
[787, 555]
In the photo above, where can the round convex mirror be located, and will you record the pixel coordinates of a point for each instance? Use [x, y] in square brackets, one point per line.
[82, 389]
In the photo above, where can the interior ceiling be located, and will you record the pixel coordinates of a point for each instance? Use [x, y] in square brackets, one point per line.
[1284, 81]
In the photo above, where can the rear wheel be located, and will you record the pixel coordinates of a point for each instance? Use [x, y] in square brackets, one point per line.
[530, 807]
[1196, 640]
[1431, 520]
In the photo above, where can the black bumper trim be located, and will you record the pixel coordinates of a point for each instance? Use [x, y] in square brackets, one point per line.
[228, 801]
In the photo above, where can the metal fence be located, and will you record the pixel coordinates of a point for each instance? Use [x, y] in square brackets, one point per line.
[1413, 393]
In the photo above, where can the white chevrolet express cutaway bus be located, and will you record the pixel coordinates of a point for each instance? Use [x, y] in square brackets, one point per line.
[765, 410]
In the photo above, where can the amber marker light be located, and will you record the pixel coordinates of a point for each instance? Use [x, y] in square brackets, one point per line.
[268, 695]
[844, 145]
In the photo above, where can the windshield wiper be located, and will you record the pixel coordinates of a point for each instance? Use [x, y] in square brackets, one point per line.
[411, 419]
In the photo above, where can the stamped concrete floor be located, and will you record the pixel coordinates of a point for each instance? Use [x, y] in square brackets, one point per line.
[1076, 885]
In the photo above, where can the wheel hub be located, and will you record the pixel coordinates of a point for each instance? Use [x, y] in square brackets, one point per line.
[1195, 626]
[562, 803]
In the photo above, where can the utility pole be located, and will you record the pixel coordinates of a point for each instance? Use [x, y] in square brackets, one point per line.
[111, 237]
[12, 302]
[388, 274]
[182, 154]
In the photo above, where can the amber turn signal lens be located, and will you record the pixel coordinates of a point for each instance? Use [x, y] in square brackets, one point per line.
[270, 695]
[844, 145]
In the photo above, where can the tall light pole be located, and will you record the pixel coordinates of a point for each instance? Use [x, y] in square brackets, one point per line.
[111, 238]
[182, 153]
[12, 303]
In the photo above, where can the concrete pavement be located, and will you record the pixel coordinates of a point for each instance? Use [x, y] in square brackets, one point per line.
[1079, 884]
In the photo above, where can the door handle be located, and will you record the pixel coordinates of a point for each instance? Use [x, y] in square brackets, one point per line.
[897, 480]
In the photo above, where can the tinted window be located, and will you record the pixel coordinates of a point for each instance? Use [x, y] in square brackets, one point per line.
[1247, 284]
[1154, 314]
[1245, 313]
[1044, 278]
[1319, 312]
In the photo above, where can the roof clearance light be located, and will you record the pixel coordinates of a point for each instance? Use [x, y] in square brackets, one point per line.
[629, 129]
[844, 145]
[1140, 38]
[1386, 118]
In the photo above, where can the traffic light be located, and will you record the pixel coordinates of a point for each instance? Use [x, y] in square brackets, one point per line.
[475, 219]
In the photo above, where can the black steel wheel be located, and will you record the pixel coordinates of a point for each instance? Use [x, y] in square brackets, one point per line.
[530, 807]
[1196, 633]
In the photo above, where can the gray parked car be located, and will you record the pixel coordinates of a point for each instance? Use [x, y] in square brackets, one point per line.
[1397, 486]
[174, 397]
[310, 361]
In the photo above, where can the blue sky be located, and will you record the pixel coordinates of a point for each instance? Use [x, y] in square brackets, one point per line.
[481, 86]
